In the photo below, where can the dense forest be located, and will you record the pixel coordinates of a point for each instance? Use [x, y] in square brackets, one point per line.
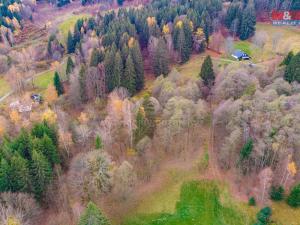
[106, 110]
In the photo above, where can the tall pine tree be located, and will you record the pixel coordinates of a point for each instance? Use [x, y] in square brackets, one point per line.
[20, 176]
[292, 70]
[207, 73]
[138, 63]
[70, 43]
[161, 58]
[109, 63]
[248, 24]
[70, 67]
[118, 71]
[128, 80]
[41, 173]
[58, 85]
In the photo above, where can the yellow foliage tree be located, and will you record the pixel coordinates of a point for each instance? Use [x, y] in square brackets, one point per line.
[51, 94]
[50, 116]
[83, 118]
[131, 42]
[166, 29]
[292, 168]
[15, 117]
[151, 21]
[13, 221]
[179, 24]
[199, 32]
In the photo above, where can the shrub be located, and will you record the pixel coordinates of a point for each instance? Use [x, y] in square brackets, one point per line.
[294, 197]
[252, 201]
[276, 193]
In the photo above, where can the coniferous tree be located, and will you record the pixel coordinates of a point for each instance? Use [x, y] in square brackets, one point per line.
[252, 201]
[41, 129]
[182, 47]
[276, 193]
[247, 29]
[47, 148]
[118, 71]
[109, 63]
[20, 176]
[246, 149]
[58, 85]
[23, 144]
[95, 57]
[137, 60]
[41, 173]
[120, 2]
[207, 73]
[286, 61]
[98, 142]
[294, 196]
[49, 47]
[128, 80]
[70, 66]
[161, 59]
[92, 216]
[292, 71]
[5, 176]
[70, 43]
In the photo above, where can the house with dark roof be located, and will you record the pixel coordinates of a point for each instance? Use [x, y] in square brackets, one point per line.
[240, 55]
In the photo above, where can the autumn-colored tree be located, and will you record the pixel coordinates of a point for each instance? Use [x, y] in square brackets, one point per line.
[50, 94]
[15, 117]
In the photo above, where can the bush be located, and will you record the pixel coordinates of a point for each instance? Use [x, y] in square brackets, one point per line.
[294, 197]
[252, 201]
[276, 193]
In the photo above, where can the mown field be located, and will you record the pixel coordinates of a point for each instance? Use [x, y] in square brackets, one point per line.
[199, 204]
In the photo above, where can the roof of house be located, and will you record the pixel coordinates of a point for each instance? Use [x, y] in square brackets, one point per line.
[239, 54]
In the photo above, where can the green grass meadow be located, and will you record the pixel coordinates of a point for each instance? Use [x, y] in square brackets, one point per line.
[199, 204]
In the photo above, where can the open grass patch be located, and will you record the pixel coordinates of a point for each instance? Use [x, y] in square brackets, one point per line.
[42, 81]
[4, 87]
[192, 67]
[199, 203]
[69, 23]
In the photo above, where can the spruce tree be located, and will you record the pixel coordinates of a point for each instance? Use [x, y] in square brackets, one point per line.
[286, 61]
[182, 46]
[41, 129]
[294, 197]
[161, 59]
[207, 73]
[70, 66]
[95, 57]
[41, 173]
[138, 63]
[276, 193]
[92, 216]
[58, 85]
[70, 43]
[120, 2]
[109, 63]
[248, 24]
[47, 148]
[292, 71]
[20, 176]
[5, 175]
[98, 142]
[117, 71]
[23, 144]
[128, 80]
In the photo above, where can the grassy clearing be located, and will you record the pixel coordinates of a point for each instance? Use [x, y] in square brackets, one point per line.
[192, 67]
[283, 214]
[290, 39]
[244, 46]
[43, 80]
[199, 203]
[69, 23]
[4, 87]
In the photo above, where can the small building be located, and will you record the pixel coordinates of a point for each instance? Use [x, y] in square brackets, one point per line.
[240, 55]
